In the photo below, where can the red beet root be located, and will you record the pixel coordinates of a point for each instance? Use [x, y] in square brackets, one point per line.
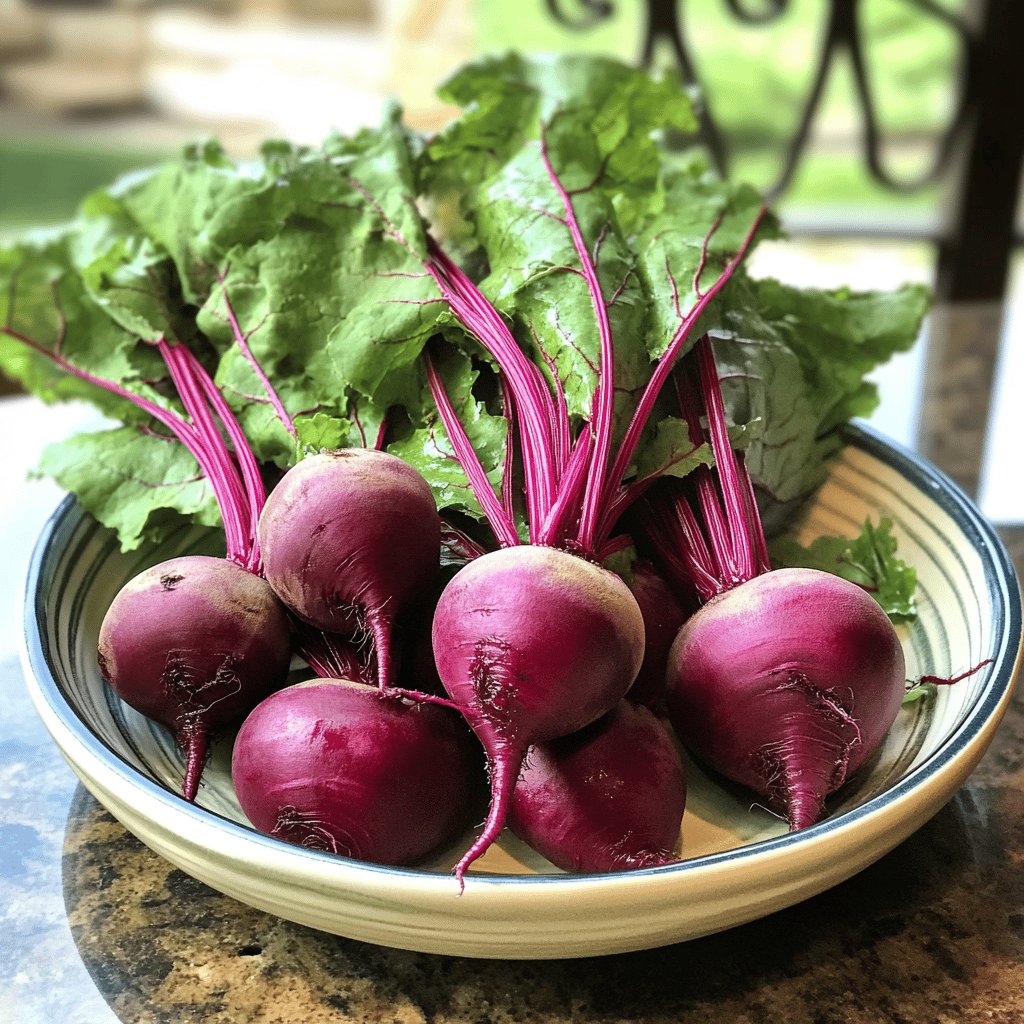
[349, 539]
[787, 684]
[193, 643]
[607, 798]
[532, 643]
[334, 765]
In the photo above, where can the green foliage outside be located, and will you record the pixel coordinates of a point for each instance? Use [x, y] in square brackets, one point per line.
[757, 79]
[42, 182]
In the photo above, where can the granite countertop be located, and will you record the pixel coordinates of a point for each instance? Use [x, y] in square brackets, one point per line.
[96, 928]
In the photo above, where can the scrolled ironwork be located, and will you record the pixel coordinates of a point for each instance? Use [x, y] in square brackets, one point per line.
[593, 13]
[772, 9]
[842, 36]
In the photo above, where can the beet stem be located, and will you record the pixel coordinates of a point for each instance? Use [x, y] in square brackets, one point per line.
[731, 548]
[744, 522]
[525, 380]
[221, 471]
[501, 522]
[509, 412]
[329, 656]
[255, 491]
[667, 359]
[558, 522]
[604, 392]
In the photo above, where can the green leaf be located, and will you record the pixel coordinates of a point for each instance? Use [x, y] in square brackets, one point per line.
[607, 114]
[138, 483]
[320, 432]
[44, 300]
[839, 336]
[128, 275]
[429, 449]
[662, 228]
[764, 389]
[918, 693]
[668, 450]
[648, 219]
[869, 560]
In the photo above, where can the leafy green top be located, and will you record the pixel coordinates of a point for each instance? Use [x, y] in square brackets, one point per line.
[314, 259]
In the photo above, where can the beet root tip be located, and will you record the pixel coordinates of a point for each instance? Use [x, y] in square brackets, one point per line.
[196, 744]
[504, 771]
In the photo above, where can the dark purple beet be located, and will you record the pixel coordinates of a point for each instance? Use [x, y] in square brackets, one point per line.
[349, 538]
[663, 615]
[607, 798]
[334, 765]
[532, 643]
[194, 643]
[787, 684]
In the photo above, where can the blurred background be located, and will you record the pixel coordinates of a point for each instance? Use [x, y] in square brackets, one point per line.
[885, 129]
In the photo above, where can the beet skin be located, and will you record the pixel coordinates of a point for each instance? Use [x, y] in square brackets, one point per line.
[787, 684]
[194, 643]
[334, 765]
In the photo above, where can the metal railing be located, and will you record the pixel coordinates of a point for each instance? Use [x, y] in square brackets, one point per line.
[977, 154]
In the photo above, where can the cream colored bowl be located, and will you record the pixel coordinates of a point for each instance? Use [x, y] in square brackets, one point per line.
[740, 862]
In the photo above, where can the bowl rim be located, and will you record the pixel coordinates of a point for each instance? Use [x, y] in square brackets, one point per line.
[1003, 591]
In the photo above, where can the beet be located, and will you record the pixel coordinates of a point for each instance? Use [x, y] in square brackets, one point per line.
[607, 798]
[532, 643]
[350, 539]
[334, 765]
[787, 684]
[194, 643]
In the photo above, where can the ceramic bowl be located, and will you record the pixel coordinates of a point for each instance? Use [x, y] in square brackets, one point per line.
[740, 863]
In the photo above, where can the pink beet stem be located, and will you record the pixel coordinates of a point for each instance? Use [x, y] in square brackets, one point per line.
[501, 522]
[382, 433]
[667, 359]
[211, 456]
[242, 340]
[731, 548]
[222, 472]
[256, 493]
[566, 506]
[523, 377]
[682, 550]
[604, 393]
[744, 522]
[561, 428]
[181, 429]
[507, 466]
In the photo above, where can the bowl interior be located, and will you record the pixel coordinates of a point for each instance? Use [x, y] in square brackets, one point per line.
[968, 611]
